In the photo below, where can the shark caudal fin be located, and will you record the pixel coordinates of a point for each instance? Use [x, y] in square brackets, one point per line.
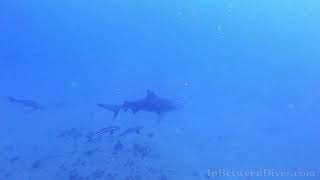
[114, 108]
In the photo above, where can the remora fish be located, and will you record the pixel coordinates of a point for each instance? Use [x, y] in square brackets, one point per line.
[26, 103]
[109, 130]
[130, 130]
[150, 103]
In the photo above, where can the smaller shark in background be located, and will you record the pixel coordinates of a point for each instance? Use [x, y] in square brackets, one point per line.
[150, 103]
[26, 103]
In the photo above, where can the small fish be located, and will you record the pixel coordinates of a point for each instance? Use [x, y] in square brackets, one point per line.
[26, 103]
[109, 130]
[130, 130]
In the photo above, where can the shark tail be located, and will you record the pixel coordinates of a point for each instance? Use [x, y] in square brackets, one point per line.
[113, 108]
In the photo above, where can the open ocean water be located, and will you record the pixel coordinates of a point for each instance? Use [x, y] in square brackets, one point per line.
[159, 90]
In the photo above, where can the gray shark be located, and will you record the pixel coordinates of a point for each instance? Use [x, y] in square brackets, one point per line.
[26, 103]
[150, 103]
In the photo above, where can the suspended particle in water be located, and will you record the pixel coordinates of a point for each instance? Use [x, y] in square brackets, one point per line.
[229, 7]
[74, 84]
[186, 84]
[178, 131]
[291, 106]
[219, 27]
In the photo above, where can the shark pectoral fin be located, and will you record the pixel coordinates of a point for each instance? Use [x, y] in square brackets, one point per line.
[116, 113]
[161, 116]
[135, 110]
[114, 108]
[138, 131]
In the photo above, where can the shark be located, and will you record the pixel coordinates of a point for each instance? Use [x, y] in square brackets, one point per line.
[150, 103]
[26, 103]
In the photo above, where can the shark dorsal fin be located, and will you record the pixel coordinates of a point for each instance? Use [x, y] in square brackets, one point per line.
[151, 94]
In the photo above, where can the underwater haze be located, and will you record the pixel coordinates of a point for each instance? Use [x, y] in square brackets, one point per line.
[159, 90]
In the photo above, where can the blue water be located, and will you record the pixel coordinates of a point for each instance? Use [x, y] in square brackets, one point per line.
[246, 74]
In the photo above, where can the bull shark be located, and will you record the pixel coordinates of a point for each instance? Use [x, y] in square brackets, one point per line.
[150, 103]
[26, 103]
